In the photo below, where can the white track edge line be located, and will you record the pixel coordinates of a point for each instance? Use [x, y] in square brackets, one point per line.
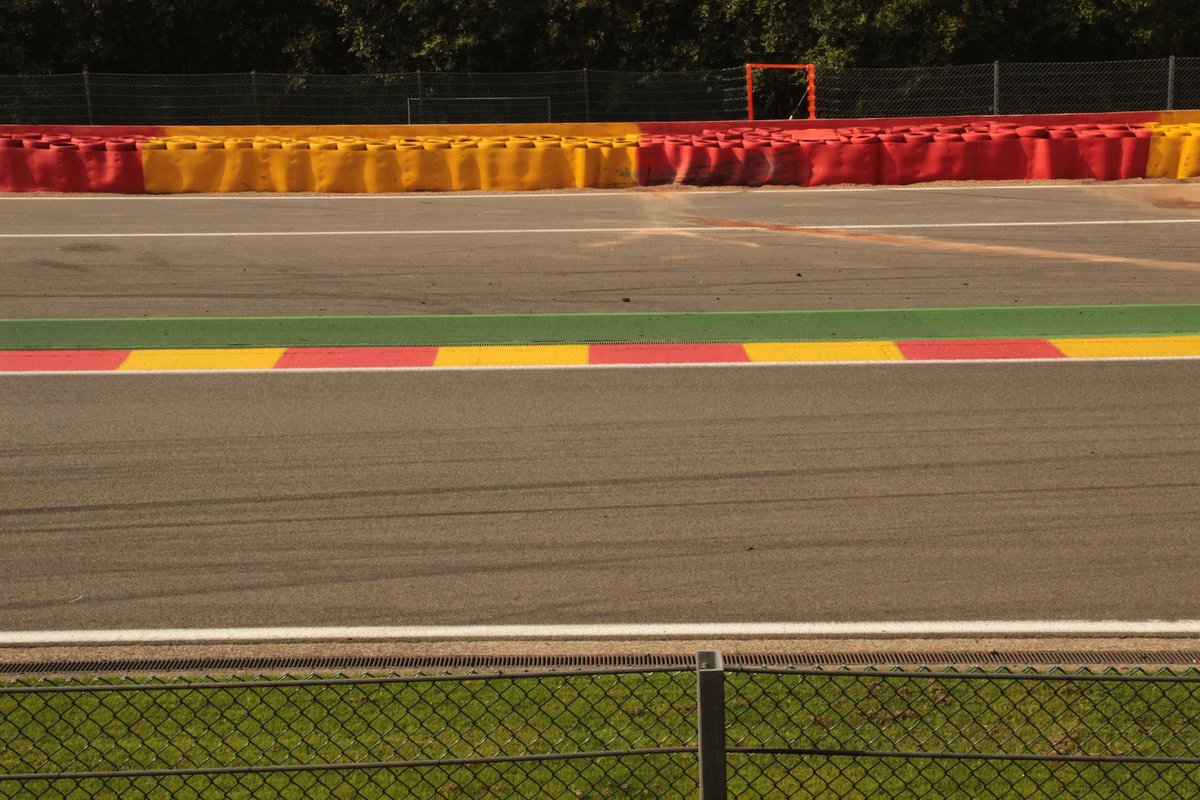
[647, 230]
[520, 367]
[633, 631]
[606, 193]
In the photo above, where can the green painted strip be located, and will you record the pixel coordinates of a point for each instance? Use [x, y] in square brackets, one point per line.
[765, 326]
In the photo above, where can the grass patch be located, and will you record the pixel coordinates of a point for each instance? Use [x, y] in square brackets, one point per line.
[127, 725]
[712, 326]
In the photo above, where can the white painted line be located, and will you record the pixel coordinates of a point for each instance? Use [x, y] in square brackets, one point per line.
[972, 187]
[127, 373]
[707, 191]
[427, 232]
[1033, 224]
[1030, 224]
[636, 230]
[608, 631]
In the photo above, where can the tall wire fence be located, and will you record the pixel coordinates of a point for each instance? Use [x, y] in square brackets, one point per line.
[712, 732]
[257, 98]
[1012, 88]
[404, 98]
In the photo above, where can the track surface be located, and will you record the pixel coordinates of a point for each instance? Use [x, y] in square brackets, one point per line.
[988, 491]
[679, 495]
[709, 269]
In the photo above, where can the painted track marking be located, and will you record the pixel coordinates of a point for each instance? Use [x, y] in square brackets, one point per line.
[656, 230]
[606, 631]
[699, 192]
[503, 367]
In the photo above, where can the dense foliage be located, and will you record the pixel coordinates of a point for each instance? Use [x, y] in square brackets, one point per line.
[38, 36]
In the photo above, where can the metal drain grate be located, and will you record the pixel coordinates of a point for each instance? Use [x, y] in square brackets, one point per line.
[683, 661]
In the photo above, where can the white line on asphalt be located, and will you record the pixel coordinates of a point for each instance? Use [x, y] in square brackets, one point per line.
[765, 228]
[712, 191]
[501, 368]
[433, 232]
[608, 631]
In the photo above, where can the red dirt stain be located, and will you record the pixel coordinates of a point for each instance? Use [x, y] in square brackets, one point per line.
[923, 243]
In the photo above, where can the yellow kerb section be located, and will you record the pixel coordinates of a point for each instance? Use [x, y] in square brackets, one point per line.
[512, 355]
[221, 160]
[824, 351]
[217, 358]
[1174, 150]
[1130, 347]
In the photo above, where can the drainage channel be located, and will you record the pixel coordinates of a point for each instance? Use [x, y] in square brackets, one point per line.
[375, 664]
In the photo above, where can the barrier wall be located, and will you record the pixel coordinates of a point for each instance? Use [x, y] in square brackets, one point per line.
[912, 154]
[525, 157]
[400, 164]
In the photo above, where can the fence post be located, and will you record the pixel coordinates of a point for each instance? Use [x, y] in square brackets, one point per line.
[1171, 83]
[812, 91]
[87, 93]
[995, 87]
[749, 93]
[710, 723]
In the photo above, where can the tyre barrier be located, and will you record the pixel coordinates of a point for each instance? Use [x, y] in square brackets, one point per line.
[173, 164]
[36, 162]
[395, 164]
[904, 155]
[1174, 151]
[222, 161]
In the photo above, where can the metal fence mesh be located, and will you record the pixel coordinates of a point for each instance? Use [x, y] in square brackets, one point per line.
[882, 777]
[1187, 83]
[593, 95]
[396, 99]
[1010, 88]
[651, 776]
[1083, 87]
[916, 91]
[330, 737]
[616, 733]
[43, 100]
[962, 735]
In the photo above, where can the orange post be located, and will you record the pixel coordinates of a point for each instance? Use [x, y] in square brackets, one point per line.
[812, 92]
[811, 86]
[749, 92]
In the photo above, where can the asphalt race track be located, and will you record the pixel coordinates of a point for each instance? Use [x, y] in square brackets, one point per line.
[95, 264]
[682, 495]
[690, 495]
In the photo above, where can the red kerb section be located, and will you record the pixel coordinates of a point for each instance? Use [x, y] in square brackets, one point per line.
[356, 357]
[968, 349]
[666, 353]
[60, 360]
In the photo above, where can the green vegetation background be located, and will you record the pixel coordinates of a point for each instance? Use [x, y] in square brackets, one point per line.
[339, 36]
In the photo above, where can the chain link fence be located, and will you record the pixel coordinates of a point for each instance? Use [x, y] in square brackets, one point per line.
[537, 735]
[907, 92]
[1186, 84]
[1011, 88]
[593, 95]
[659, 732]
[917, 734]
[394, 99]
